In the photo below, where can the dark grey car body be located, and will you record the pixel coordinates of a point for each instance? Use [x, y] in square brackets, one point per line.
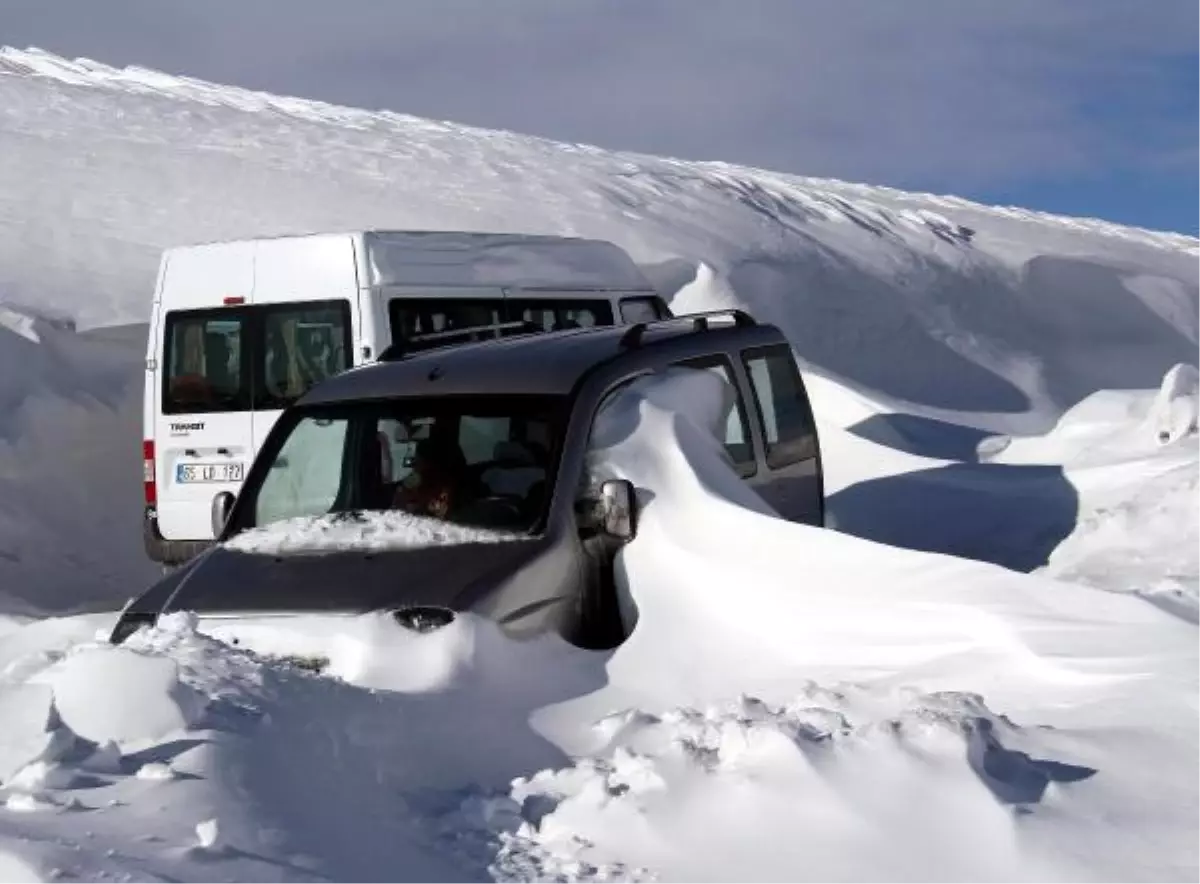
[559, 577]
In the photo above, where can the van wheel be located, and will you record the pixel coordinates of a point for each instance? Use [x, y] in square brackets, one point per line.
[169, 553]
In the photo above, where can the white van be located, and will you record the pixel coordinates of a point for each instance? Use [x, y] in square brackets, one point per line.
[241, 329]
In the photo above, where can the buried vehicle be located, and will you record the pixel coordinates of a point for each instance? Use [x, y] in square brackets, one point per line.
[458, 479]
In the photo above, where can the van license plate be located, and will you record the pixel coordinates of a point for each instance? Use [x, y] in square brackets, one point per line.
[188, 473]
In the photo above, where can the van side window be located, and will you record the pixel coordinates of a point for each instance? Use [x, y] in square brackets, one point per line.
[634, 310]
[553, 315]
[737, 428]
[204, 368]
[783, 405]
[303, 344]
[413, 318]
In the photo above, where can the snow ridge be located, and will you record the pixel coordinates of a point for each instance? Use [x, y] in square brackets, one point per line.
[827, 196]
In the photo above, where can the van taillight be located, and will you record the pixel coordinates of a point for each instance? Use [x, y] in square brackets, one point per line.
[148, 485]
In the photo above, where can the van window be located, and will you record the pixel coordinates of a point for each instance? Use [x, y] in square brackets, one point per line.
[736, 437]
[204, 365]
[303, 344]
[783, 406]
[254, 357]
[306, 475]
[635, 310]
[553, 315]
[412, 318]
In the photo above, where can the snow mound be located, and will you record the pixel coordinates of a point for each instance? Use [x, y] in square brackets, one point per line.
[118, 695]
[1141, 536]
[1175, 408]
[364, 531]
[811, 766]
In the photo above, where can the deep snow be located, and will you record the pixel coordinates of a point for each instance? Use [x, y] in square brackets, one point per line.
[761, 722]
[994, 384]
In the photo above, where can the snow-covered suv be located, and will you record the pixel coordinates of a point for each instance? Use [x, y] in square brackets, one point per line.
[526, 538]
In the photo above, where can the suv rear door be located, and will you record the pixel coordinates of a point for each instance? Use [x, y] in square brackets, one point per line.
[793, 484]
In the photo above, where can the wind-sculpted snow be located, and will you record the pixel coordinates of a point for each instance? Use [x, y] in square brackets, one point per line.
[785, 700]
[926, 300]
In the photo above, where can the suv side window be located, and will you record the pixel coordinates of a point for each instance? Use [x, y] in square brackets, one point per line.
[737, 428]
[783, 405]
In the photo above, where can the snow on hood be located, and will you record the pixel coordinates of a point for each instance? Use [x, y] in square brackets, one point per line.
[359, 532]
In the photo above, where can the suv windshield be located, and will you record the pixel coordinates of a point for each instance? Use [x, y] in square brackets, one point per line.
[480, 461]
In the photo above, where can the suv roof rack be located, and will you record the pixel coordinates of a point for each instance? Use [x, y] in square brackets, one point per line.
[434, 340]
[699, 322]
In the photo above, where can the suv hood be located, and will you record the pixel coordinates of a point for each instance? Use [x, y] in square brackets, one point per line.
[454, 576]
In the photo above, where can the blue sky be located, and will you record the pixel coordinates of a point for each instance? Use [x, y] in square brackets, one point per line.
[1085, 107]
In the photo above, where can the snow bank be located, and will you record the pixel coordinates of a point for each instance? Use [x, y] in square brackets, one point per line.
[928, 301]
[365, 531]
[786, 698]
[70, 474]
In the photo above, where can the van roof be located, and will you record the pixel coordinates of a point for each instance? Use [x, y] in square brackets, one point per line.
[475, 258]
[542, 363]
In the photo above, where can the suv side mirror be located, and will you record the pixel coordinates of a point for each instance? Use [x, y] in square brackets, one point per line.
[222, 504]
[618, 509]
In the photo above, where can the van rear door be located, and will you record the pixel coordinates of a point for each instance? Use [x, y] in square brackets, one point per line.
[308, 316]
[203, 433]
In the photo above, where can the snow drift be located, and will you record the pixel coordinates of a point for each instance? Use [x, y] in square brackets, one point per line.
[777, 719]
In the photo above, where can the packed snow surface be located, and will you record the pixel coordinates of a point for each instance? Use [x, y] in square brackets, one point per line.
[987, 672]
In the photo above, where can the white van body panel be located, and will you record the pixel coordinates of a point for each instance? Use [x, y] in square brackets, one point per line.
[310, 268]
[203, 276]
[197, 278]
[368, 270]
[321, 267]
[508, 260]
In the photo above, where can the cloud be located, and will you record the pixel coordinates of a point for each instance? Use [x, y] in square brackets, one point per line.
[926, 93]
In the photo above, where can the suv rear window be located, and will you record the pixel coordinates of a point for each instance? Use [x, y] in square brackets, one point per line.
[251, 357]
